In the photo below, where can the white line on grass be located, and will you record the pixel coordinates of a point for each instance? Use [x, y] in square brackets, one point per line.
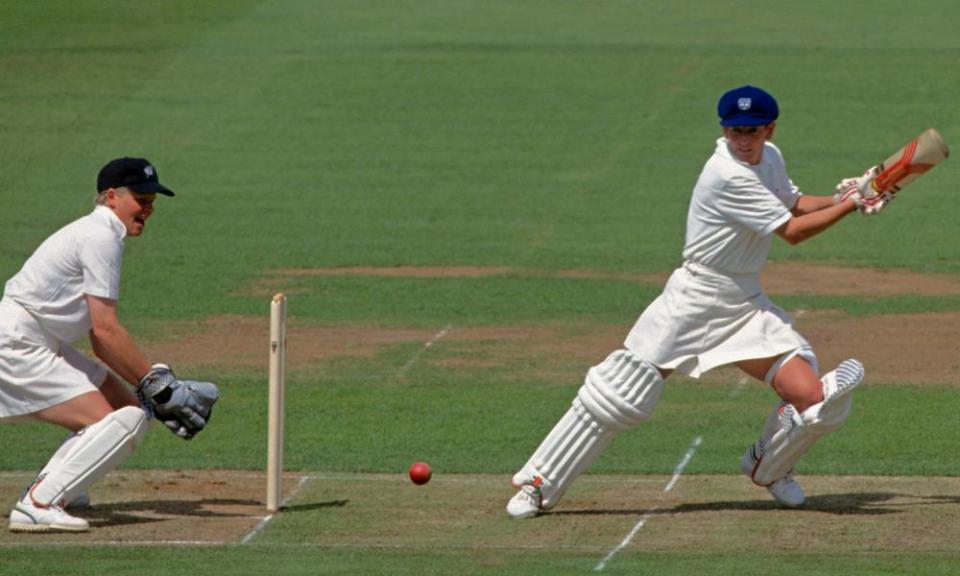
[129, 472]
[119, 543]
[740, 387]
[636, 528]
[266, 519]
[683, 463]
[425, 546]
[425, 347]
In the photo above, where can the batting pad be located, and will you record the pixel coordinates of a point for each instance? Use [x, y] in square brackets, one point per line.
[618, 393]
[96, 450]
[793, 438]
[621, 391]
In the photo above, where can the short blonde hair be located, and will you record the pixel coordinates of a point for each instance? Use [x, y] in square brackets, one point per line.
[101, 199]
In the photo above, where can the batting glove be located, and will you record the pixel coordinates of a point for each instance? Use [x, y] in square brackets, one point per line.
[861, 191]
[858, 189]
[876, 204]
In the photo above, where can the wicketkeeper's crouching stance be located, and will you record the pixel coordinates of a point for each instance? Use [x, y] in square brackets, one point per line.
[183, 406]
[713, 312]
[70, 287]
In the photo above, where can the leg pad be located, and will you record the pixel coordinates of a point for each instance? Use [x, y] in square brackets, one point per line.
[617, 394]
[796, 433]
[97, 449]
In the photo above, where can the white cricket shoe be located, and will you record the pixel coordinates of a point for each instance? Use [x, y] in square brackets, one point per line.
[786, 490]
[525, 503]
[28, 517]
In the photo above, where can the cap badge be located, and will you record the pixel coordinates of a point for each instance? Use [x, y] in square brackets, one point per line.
[744, 103]
[148, 170]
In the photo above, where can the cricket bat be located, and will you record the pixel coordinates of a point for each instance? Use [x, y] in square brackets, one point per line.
[908, 163]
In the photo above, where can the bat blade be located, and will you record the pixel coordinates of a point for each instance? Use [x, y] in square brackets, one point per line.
[910, 162]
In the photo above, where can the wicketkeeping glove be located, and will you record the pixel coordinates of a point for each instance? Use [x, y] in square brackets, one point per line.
[184, 406]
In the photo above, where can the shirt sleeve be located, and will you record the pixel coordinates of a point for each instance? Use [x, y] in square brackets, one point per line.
[100, 258]
[748, 202]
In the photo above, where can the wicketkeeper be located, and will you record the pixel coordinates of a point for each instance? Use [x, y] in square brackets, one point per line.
[713, 312]
[69, 287]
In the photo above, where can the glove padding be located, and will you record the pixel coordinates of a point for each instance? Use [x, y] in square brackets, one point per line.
[193, 393]
[862, 193]
[184, 406]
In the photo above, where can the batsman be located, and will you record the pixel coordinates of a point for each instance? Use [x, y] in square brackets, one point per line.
[69, 288]
[713, 312]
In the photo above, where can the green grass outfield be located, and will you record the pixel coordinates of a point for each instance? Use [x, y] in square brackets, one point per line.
[537, 136]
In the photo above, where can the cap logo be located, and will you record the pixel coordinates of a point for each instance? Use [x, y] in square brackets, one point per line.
[744, 103]
[148, 170]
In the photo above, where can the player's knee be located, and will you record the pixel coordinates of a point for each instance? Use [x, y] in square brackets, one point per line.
[804, 353]
[803, 396]
[134, 420]
[621, 391]
[795, 381]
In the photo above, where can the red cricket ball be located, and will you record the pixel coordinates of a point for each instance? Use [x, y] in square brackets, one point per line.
[420, 472]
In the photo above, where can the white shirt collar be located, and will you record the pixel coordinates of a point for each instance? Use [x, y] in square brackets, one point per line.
[723, 148]
[112, 220]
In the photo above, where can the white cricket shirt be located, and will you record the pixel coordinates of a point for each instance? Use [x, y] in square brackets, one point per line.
[83, 257]
[735, 208]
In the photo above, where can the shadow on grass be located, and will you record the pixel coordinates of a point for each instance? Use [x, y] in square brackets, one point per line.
[316, 506]
[859, 503]
[131, 513]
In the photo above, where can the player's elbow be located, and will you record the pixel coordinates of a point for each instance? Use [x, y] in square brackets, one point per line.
[102, 332]
[792, 235]
[793, 239]
[105, 329]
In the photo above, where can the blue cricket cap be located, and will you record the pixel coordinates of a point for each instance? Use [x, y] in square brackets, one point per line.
[747, 106]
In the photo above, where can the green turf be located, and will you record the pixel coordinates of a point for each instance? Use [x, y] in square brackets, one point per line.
[469, 423]
[534, 135]
[296, 560]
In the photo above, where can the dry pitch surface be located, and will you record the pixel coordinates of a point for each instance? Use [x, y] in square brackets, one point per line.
[706, 513]
[703, 512]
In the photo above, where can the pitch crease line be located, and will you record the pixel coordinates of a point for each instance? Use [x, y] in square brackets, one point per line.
[740, 386]
[261, 526]
[431, 342]
[677, 472]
